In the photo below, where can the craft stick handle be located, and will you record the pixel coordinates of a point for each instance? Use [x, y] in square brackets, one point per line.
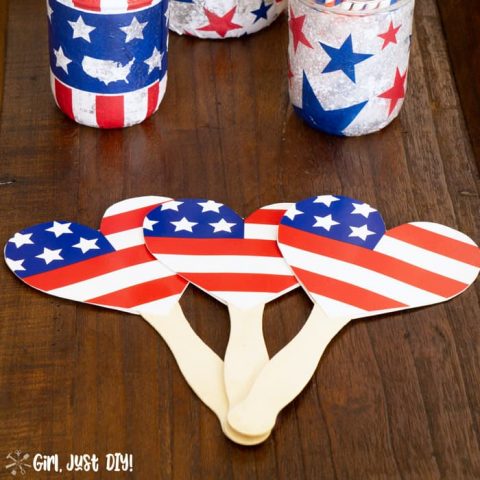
[201, 367]
[246, 353]
[285, 376]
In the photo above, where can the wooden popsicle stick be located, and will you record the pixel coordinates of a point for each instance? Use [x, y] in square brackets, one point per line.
[285, 375]
[200, 365]
[246, 353]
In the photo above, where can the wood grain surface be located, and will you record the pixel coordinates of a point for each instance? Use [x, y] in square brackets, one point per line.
[395, 397]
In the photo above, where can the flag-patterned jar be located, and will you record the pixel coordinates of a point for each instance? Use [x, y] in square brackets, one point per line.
[348, 63]
[108, 59]
[217, 19]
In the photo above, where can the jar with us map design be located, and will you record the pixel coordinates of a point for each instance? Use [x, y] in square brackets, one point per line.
[348, 62]
[108, 59]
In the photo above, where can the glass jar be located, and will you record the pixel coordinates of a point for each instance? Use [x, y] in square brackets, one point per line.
[348, 63]
[218, 19]
[108, 59]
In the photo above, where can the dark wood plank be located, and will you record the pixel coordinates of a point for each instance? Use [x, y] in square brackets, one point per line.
[394, 397]
[3, 33]
[461, 23]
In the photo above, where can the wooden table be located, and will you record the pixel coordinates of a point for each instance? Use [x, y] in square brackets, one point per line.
[394, 397]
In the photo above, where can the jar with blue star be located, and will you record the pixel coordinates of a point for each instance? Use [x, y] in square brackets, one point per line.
[348, 62]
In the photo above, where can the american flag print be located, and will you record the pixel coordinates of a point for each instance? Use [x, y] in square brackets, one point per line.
[108, 60]
[348, 71]
[353, 268]
[235, 260]
[111, 268]
[223, 18]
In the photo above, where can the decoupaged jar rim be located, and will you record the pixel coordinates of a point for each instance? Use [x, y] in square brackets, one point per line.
[92, 6]
[337, 10]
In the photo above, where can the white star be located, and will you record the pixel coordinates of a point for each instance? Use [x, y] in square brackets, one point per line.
[222, 226]
[49, 12]
[62, 59]
[20, 239]
[15, 265]
[85, 245]
[148, 224]
[361, 232]
[292, 212]
[325, 222]
[184, 224]
[326, 199]
[59, 229]
[362, 209]
[155, 61]
[50, 255]
[134, 30]
[172, 205]
[81, 29]
[210, 206]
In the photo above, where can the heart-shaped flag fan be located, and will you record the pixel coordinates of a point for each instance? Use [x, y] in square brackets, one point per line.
[352, 268]
[79, 263]
[112, 268]
[207, 243]
[236, 261]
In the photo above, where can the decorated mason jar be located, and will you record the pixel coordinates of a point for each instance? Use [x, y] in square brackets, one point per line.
[108, 59]
[217, 19]
[348, 62]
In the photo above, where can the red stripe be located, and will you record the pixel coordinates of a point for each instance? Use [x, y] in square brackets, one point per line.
[241, 282]
[134, 4]
[63, 94]
[208, 246]
[110, 111]
[91, 268]
[449, 247]
[375, 261]
[142, 293]
[266, 217]
[345, 292]
[88, 4]
[153, 93]
[125, 220]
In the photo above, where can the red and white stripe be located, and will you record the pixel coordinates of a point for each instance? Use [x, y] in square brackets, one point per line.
[242, 272]
[413, 265]
[108, 111]
[109, 6]
[129, 279]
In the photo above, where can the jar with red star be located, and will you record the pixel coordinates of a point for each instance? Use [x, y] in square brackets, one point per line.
[348, 62]
[219, 19]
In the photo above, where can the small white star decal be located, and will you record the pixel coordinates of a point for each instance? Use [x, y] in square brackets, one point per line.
[172, 205]
[49, 12]
[20, 239]
[81, 29]
[134, 30]
[210, 206]
[15, 265]
[50, 255]
[222, 226]
[62, 60]
[326, 222]
[148, 224]
[361, 232]
[59, 229]
[155, 61]
[184, 224]
[362, 209]
[292, 212]
[326, 199]
[85, 245]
